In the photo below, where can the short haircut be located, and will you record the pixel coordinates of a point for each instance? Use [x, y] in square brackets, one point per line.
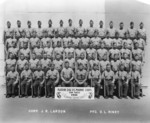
[141, 23]
[8, 22]
[110, 22]
[39, 21]
[91, 20]
[61, 20]
[80, 20]
[69, 20]
[131, 22]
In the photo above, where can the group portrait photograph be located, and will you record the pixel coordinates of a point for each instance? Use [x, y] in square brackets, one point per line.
[75, 61]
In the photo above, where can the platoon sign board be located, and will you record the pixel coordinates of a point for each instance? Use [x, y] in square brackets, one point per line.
[80, 93]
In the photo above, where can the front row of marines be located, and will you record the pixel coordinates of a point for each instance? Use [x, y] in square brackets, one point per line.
[107, 83]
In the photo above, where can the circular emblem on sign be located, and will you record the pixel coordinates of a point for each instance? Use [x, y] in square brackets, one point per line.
[58, 95]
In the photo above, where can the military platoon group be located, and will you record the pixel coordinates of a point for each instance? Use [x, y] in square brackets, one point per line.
[40, 59]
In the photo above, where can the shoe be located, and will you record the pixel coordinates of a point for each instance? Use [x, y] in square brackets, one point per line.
[13, 96]
[48, 96]
[33, 96]
[7, 96]
[137, 97]
[20, 96]
[125, 97]
[106, 97]
[112, 97]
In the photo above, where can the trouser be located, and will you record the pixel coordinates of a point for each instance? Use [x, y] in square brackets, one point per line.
[25, 85]
[37, 87]
[70, 84]
[135, 88]
[50, 87]
[76, 84]
[97, 87]
[11, 86]
[122, 88]
[109, 87]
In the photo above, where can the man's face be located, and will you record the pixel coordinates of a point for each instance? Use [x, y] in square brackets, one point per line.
[127, 35]
[67, 64]
[10, 55]
[102, 45]
[25, 45]
[38, 44]
[29, 24]
[27, 67]
[121, 25]
[45, 56]
[70, 22]
[44, 34]
[134, 68]
[59, 44]
[22, 57]
[91, 45]
[136, 57]
[137, 45]
[39, 67]
[70, 55]
[125, 55]
[132, 25]
[13, 68]
[117, 35]
[122, 68]
[52, 67]
[108, 68]
[107, 35]
[69, 44]
[80, 22]
[34, 34]
[39, 23]
[105, 57]
[81, 67]
[50, 22]
[101, 23]
[58, 56]
[33, 56]
[95, 67]
[116, 56]
[91, 23]
[8, 24]
[61, 23]
[82, 56]
[111, 24]
[141, 25]
[80, 44]
[19, 23]
[48, 44]
[23, 34]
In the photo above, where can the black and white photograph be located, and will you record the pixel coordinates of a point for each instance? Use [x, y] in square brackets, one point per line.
[74, 61]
